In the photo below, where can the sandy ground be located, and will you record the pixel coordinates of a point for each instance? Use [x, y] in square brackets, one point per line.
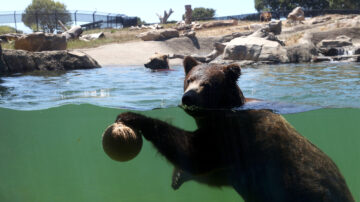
[127, 54]
[137, 53]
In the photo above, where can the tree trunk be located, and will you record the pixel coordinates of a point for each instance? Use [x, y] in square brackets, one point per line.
[163, 19]
[188, 14]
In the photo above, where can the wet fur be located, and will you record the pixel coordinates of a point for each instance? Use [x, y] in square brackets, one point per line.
[257, 152]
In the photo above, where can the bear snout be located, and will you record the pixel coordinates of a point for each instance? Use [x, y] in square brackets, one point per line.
[190, 98]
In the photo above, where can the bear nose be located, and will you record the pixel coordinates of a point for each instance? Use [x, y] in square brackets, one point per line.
[189, 98]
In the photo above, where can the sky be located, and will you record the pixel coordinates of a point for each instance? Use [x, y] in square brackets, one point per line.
[146, 9]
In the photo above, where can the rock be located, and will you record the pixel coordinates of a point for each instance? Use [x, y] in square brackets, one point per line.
[190, 34]
[316, 37]
[234, 35]
[183, 27]
[3, 66]
[41, 42]
[159, 35]
[340, 41]
[357, 51]
[321, 59]
[296, 15]
[89, 37]
[18, 61]
[275, 27]
[10, 37]
[158, 61]
[73, 33]
[302, 52]
[218, 23]
[256, 27]
[255, 49]
[333, 51]
[318, 20]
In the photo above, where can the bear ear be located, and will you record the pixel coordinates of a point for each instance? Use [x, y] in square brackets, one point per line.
[189, 62]
[232, 72]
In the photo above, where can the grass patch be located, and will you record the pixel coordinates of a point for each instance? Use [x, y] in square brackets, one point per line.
[7, 30]
[293, 39]
[111, 36]
[7, 45]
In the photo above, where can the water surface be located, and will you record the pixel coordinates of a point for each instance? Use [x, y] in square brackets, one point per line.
[335, 85]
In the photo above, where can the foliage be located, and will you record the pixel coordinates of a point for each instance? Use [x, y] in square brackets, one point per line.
[202, 13]
[344, 4]
[276, 5]
[8, 29]
[46, 13]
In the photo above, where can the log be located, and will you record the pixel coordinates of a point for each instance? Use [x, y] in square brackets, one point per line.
[73, 33]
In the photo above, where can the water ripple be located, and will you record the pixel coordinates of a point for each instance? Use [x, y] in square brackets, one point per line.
[319, 85]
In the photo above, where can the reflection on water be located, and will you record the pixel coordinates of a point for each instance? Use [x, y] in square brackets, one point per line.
[319, 85]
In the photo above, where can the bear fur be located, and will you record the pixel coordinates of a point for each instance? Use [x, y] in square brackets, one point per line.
[257, 152]
[158, 61]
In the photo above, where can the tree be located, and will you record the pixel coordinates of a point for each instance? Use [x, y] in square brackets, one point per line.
[276, 5]
[163, 19]
[344, 4]
[44, 15]
[202, 13]
[279, 5]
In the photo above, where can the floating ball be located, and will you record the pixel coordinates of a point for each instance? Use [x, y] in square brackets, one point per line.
[121, 143]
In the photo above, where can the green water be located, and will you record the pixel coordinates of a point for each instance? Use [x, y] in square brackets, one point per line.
[56, 155]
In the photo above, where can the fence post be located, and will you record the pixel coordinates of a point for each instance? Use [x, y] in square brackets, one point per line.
[75, 16]
[37, 21]
[107, 20]
[56, 20]
[15, 21]
[94, 16]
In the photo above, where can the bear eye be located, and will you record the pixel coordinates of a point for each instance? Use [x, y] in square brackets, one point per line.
[188, 81]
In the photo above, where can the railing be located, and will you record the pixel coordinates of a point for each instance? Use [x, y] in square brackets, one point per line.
[109, 20]
[283, 14]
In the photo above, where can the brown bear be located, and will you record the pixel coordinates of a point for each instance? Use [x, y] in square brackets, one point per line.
[265, 16]
[257, 152]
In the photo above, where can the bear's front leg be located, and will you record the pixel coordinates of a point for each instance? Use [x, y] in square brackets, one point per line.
[187, 150]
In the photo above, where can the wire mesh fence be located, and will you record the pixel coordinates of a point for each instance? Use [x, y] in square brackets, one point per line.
[283, 14]
[38, 21]
[94, 19]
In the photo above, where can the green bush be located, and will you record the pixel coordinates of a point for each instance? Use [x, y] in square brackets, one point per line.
[8, 29]
[203, 13]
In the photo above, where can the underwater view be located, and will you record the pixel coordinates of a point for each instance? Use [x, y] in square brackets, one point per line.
[51, 127]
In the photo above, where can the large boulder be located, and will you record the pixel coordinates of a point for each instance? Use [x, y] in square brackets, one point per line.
[41, 42]
[3, 66]
[340, 41]
[275, 27]
[334, 47]
[24, 61]
[296, 15]
[159, 35]
[158, 61]
[255, 49]
[301, 52]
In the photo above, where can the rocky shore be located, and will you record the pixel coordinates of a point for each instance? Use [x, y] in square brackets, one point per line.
[17, 61]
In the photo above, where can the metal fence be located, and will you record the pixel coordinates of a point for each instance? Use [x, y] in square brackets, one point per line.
[283, 14]
[87, 19]
[94, 19]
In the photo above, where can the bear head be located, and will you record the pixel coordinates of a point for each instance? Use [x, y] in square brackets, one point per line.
[211, 86]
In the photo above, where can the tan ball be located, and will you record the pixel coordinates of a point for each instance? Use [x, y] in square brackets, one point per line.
[121, 143]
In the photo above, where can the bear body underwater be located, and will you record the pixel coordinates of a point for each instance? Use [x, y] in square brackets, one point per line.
[257, 152]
